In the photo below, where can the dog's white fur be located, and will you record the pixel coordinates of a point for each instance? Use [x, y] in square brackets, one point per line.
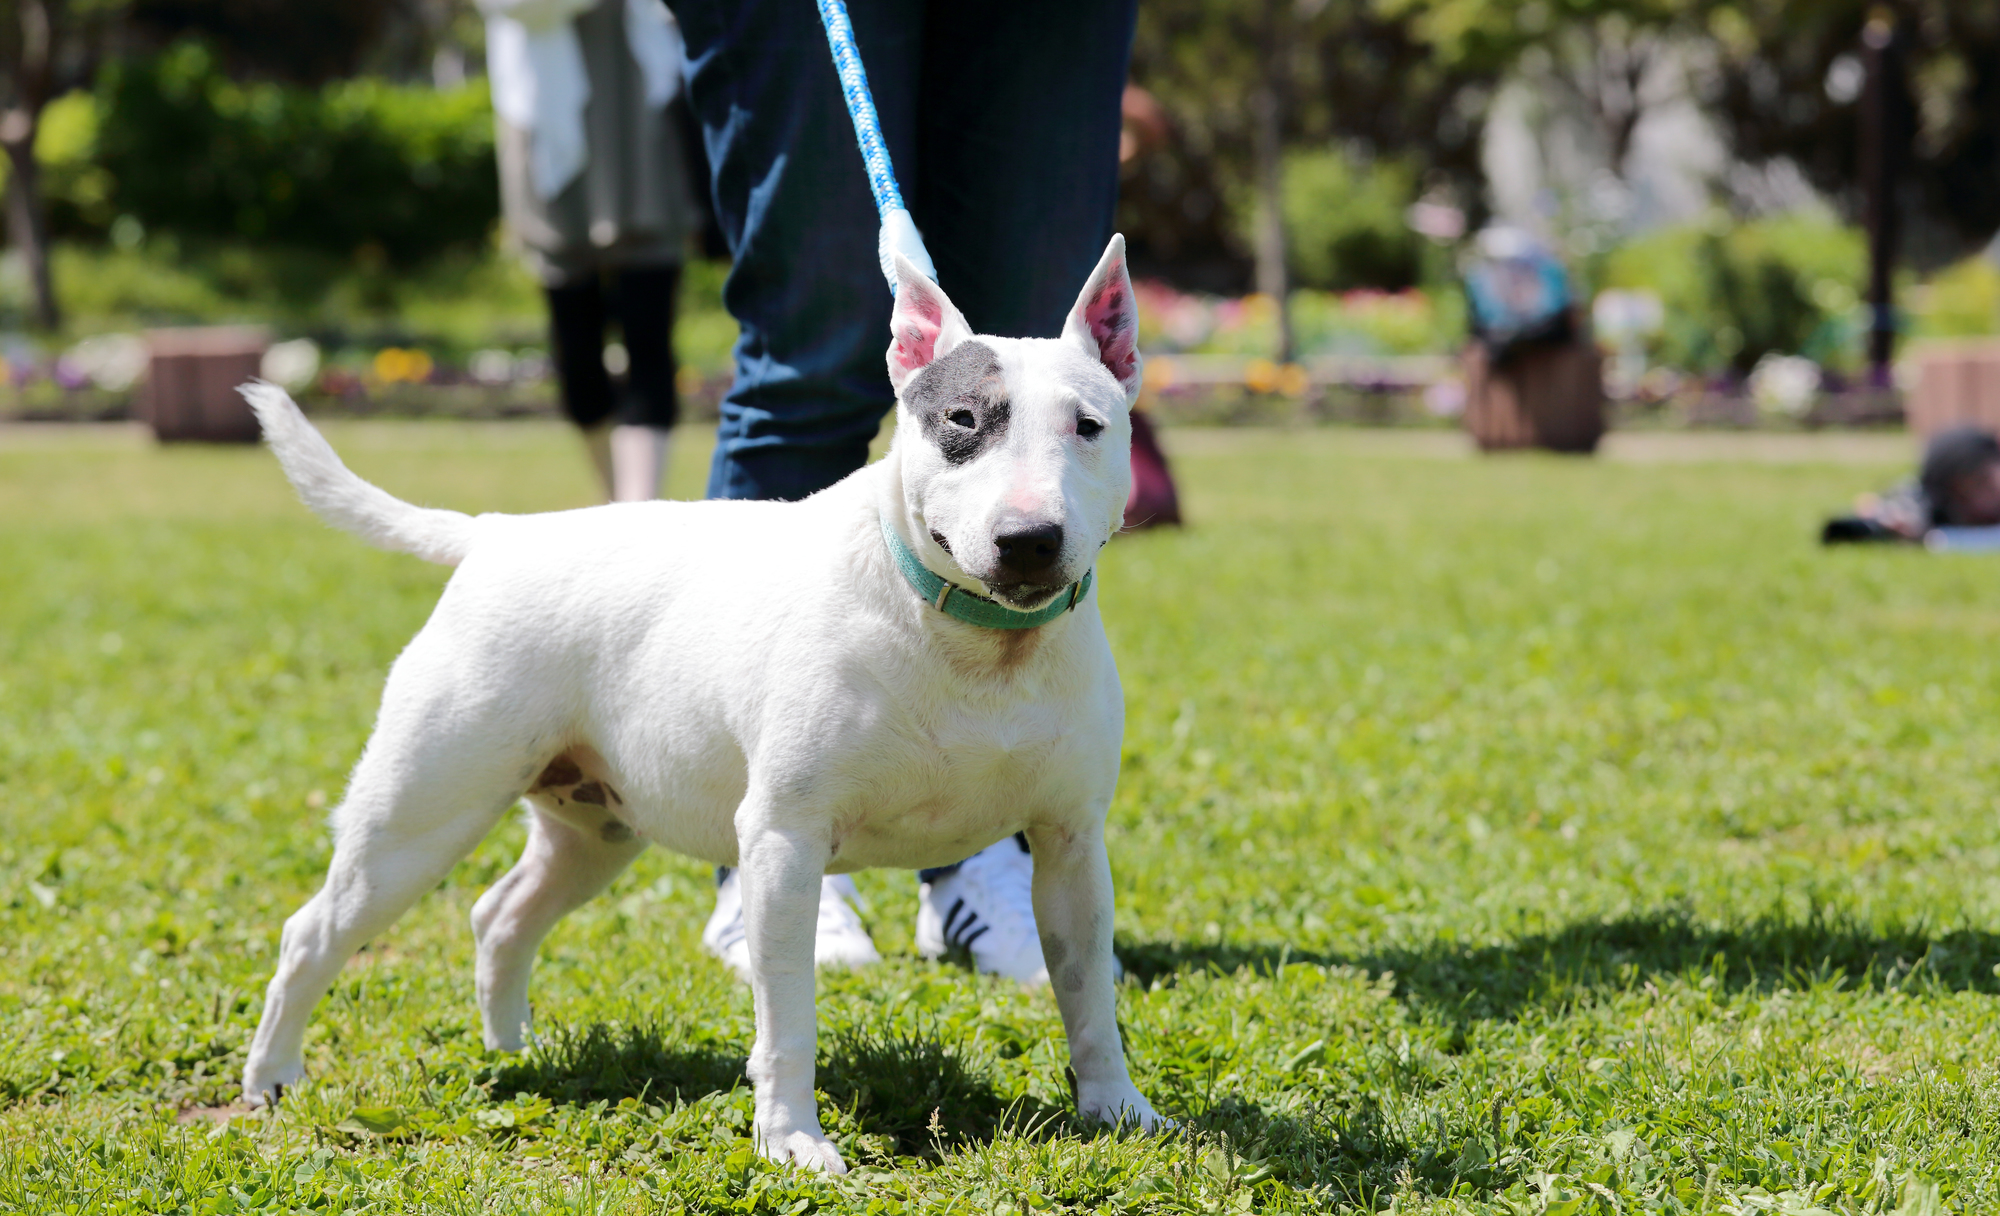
[753, 684]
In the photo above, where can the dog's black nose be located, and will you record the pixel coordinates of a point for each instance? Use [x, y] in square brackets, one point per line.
[1031, 553]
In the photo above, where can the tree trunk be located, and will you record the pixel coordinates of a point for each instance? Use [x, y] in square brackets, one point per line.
[27, 222]
[1882, 149]
[33, 84]
[1267, 151]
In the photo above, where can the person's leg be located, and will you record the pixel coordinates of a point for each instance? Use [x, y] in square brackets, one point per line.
[984, 907]
[839, 937]
[1022, 192]
[576, 338]
[794, 204]
[1016, 192]
[643, 298]
[1003, 122]
[1017, 152]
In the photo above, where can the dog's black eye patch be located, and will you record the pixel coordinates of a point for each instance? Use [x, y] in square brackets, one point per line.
[961, 402]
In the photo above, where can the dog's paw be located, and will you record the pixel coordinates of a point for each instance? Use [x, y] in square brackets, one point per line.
[1122, 1105]
[804, 1147]
[267, 1086]
[521, 1040]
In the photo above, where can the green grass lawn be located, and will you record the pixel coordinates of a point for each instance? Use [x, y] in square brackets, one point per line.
[1509, 835]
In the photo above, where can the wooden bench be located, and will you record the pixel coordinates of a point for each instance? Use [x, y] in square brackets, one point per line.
[1541, 397]
[1957, 384]
[189, 393]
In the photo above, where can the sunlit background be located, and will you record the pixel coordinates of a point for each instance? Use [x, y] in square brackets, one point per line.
[1303, 185]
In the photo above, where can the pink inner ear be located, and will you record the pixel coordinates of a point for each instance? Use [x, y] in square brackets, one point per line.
[918, 319]
[1115, 326]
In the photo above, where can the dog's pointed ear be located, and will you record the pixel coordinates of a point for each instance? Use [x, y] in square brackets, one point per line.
[924, 326]
[1105, 321]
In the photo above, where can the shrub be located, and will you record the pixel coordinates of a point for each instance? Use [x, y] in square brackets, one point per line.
[1962, 301]
[360, 166]
[1737, 293]
[1344, 223]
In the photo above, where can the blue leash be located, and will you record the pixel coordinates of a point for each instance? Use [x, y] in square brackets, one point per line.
[899, 232]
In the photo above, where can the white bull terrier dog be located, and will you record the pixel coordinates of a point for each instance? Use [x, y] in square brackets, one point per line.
[897, 671]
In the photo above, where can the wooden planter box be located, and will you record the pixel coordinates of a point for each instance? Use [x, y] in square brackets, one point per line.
[1956, 385]
[1543, 397]
[189, 394]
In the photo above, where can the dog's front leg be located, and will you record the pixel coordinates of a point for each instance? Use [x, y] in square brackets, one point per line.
[781, 871]
[1073, 913]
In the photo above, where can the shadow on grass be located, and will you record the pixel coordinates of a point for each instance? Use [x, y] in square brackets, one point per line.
[1465, 984]
[920, 1091]
[610, 1061]
[912, 1088]
[1354, 1153]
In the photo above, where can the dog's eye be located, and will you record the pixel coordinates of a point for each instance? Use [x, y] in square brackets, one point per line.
[1088, 427]
[963, 418]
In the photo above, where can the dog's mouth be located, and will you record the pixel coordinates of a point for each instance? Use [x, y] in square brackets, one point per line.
[1025, 596]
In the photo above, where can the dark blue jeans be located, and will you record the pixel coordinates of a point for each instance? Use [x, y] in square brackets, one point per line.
[1002, 117]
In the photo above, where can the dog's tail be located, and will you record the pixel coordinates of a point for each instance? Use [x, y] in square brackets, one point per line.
[336, 495]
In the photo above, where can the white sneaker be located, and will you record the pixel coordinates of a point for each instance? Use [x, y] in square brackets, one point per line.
[985, 907]
[841, 940]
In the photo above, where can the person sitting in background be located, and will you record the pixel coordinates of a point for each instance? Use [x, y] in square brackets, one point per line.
[594, 186]
[1518, 294]
[1958, 486]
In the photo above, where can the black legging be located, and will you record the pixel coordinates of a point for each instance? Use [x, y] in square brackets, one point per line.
[643, 299]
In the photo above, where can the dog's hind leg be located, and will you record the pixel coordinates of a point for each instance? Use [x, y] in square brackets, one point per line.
[408, 817]
[561, 868]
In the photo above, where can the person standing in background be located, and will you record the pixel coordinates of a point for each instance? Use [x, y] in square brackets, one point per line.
[594, 186]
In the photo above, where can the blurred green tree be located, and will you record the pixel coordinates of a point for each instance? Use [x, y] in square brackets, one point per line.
[1790, 86]
[1782, 77]
[298, 41]
[1599, 54]
[47, 47]
[311, 42]
[1247, 82]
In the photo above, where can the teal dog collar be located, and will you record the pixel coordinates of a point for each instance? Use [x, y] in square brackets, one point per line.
[974, 609]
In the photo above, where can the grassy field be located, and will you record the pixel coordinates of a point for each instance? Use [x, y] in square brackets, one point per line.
[1511, 835]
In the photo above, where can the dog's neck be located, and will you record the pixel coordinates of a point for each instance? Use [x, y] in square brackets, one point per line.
[904, 519]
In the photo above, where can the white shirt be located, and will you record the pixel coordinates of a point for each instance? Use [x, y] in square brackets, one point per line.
[534, 64]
